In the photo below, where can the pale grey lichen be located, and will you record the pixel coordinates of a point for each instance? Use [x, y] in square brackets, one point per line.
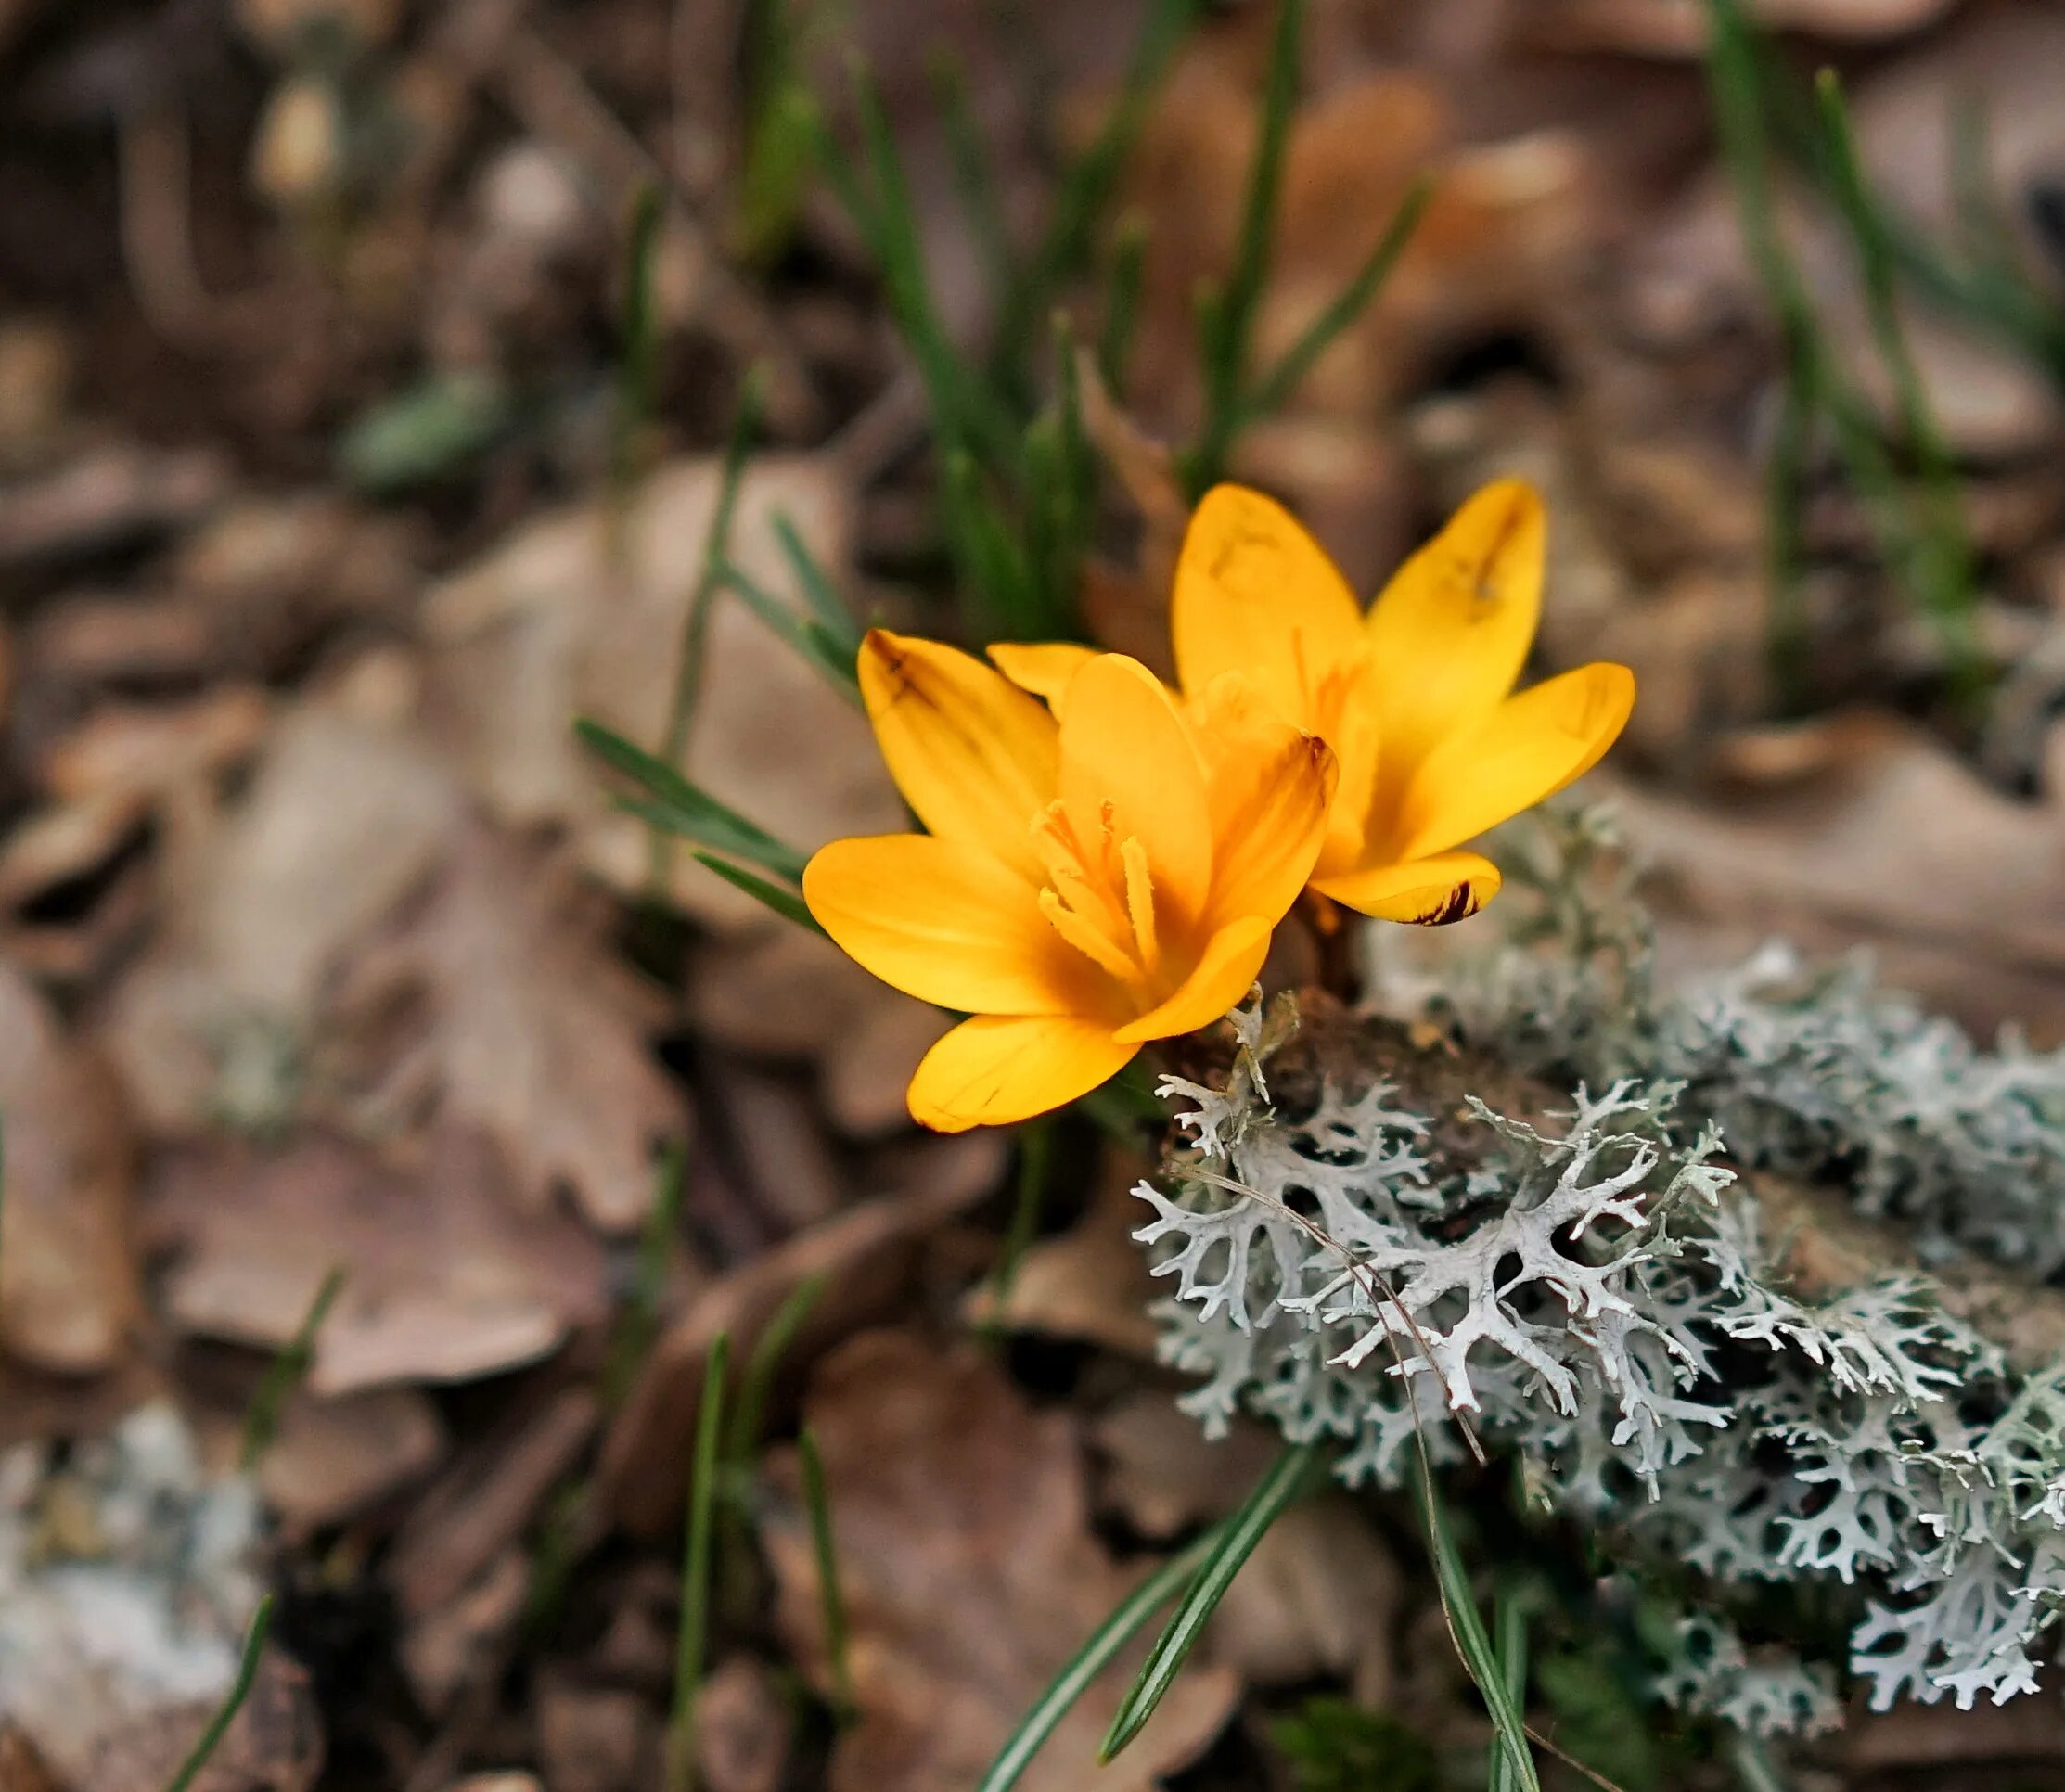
[1594, 1296]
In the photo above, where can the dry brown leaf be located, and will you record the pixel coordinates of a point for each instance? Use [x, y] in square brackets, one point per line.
[1089, 1284]
[866, 1256]
[21, 1768]
[778, 991]
[742, 1728]
[1865, 829]
[1163, 1475]
[447, 1279]
[332, 1459]
[1671, 27]
[68, 1283]
[344, 816]
[601, 1739]
[498, 1001]
[970, 1576]
[553, 625]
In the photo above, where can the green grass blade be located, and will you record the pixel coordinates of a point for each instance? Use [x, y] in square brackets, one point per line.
[637, 1321]
[638, 338]
[693, 1637]
[262, 1421]
[1229, 321]
[823, 1546]
[1267, 1503]
[975, 182]
[1086, 186]
[748, 1412]
[1275, 389]
[803, 635]
[241, 1689]
[716, 549]
[1102, 1647]
[784, 903]
[1479, 1659]
[1941, 547]
[1122, 302]
[1511, 1618]
[825, 605]
[685, 808]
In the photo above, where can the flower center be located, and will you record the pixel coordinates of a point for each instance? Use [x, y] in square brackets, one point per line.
[1100, 897]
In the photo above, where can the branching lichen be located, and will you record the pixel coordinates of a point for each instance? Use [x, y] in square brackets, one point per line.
[1595, 1297]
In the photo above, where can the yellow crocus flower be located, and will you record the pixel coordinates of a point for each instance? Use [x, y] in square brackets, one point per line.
[1089, 881]
[1415, 697]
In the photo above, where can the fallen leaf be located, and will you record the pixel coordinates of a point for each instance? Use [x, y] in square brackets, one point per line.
[332, 1459]
[601, 1739]
[866, 1256]
[556, 623]
[498, 1001]
[68, 1281]
[1863, 829]
[1163, 1476]
[743, 1726]
[1089, 1284]
[447, 1279]
[970, 1576]
[1670, 28]
[104, 499]
[778, 991]
[345, 815]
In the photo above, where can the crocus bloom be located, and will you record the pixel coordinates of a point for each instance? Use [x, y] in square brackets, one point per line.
[1087, 883]
[1415, 697]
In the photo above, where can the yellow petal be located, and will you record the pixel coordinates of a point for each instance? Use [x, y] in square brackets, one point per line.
[998, 1069]
[1255, 593]
[973, 755]
[1041, 667]
[1270, 789]
[1427, 892]
[1231, 963]
[1527, 749]
[1451, 632]
[1129, 771]
[946, 923]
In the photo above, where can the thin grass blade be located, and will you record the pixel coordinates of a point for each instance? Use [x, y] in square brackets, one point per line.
[784, 903]
[241, 1689]
[685, 808]
[1272, 1495]
[1102, 1647]
[825, 1547]
[693, 1638]
[285, 1373]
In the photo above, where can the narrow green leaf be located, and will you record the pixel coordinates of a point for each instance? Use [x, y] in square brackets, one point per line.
[1227, 324]
[1508, 1723]
[1121, 302]
[823, 1546]
[975, 182]
[1272, 1495]
[804, 634]
[262, 1421]
[218, 1726]
[693, 1634]
[825, 605]
[1940, 546]
[1274, 390]
[638, 1320]
[686, 808]
[748, 1412]
[1511, 1618]
[637, 336]
[784, 903]
[1098, 1653]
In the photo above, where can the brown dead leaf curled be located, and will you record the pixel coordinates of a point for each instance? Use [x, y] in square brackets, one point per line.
[497, 1001]
[866, 1256]
[447, 1279]
[68, 1281]
[970, 1576]
[554, 624]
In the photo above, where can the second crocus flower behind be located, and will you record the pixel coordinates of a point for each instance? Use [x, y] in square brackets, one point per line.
[1085, 885]
[1415, 697]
